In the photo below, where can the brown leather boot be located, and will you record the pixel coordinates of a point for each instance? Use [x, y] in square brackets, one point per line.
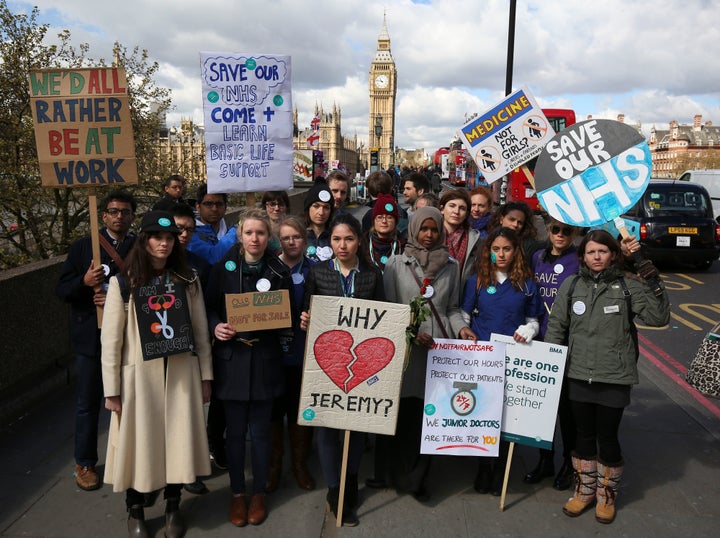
[608, 480]
[239, 511]
[277, 436]
[257, 512]
[300, 442]
[136, 522]
[585, 486]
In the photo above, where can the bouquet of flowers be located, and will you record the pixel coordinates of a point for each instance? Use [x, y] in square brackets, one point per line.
[419, 312]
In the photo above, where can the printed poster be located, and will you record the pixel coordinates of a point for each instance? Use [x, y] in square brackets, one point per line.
[533, 378]
[247, 104]
[463, 398]
[353, 364]
[83, 130]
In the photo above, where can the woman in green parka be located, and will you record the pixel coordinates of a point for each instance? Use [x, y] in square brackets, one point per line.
[593, 314]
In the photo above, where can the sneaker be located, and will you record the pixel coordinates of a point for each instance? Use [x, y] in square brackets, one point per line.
[86, 477]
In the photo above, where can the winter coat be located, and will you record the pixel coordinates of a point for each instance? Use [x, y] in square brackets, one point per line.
[596, 325]
[471, 256]
[323, 279]
[401, 287]
[160, 436]
[244, 372]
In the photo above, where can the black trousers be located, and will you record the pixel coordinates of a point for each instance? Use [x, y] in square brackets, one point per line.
[597, 431]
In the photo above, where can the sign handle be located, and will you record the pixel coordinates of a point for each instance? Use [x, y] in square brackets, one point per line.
[95, 240]
[528, 175]
[620, 225]
[507, 475]
[343, 476]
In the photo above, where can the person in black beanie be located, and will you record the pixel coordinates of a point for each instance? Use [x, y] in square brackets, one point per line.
[319, 212]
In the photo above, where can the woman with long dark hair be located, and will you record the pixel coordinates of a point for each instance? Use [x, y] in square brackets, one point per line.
[157, 370]
[460, 239]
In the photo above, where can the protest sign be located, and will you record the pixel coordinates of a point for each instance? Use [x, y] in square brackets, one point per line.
[353, 364]
[463, 398]
[163, 319]
[258, 310]
[247, 103]
[533, 379]
[82, 124]
[592, 172]
[508, 135]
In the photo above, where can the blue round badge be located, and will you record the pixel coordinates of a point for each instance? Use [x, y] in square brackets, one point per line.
[430, 409]
[278, 100]
[230, 265]
[383, 259]
[251, 64]
[311, 250]
[164, 222]
[308, 414]
[389, 207]
[491, 290]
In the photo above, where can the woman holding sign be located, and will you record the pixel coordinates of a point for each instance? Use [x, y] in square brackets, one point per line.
[593, 315]
[348, 274]
[248, 364]
[501, 298]
[157, 368]
[423, 269]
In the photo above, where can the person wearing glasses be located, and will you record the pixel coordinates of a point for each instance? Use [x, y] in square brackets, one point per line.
[212, 237]
[384, 240]
[552, 266]
[84, 285]
[275, 204]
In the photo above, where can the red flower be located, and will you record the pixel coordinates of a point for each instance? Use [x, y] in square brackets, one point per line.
[423, 290]
[426, 281]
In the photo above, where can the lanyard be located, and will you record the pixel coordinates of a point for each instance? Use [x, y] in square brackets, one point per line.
[347, 284]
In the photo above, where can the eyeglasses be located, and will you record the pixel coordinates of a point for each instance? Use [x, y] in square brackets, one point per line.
[291, 239]
[212, 204]
[565, 230]
[183, 229]
[279, 205]
[385, 216]
[114, 212]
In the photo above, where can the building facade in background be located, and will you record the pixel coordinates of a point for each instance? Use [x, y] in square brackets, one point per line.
[383, 90]
[684, 147]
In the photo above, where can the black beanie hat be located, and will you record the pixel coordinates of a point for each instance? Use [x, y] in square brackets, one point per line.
[319, 192]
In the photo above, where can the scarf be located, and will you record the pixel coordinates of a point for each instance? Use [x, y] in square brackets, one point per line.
[457, 243]
[481, 224]
[431, 260]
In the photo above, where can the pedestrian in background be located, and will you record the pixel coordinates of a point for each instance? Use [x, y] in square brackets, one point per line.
[157, 432]
[480, 210]
[276, 204]
[518, 216]
[594, 316]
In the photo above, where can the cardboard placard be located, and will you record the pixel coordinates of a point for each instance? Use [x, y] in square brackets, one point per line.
[533, 379]
[247, 104]
[463, 398]
[258, 310]
[507, 136]
[592, 172]
[83, 130]
[353, 364]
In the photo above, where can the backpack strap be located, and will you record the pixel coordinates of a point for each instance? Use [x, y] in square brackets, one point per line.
[631, 316]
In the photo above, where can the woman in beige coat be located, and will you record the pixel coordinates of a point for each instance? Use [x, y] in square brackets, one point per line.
[157, 367]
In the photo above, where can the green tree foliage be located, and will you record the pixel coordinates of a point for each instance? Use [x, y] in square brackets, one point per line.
[38, 222]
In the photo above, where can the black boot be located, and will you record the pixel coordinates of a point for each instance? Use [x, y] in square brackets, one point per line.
[174, 524]
[544, 468]
[136, 522]
[483, 479]
[350, 501]
[564, 478]
[498, 477]
[332, 500]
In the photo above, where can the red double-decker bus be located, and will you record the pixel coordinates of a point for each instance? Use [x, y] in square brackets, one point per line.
[518, 186]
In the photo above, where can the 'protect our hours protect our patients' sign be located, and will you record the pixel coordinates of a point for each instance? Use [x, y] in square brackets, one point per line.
[247, 103]
[83, 129]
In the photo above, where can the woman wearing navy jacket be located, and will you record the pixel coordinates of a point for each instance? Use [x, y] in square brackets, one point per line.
[552, 266]
[248, 365]
[502, 298]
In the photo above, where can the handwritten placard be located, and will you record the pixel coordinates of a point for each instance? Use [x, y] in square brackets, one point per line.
[258, 310]
[83, 130]
[353, 364]
[247, 103]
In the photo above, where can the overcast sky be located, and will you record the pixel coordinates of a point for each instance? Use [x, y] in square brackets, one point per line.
[652, 61]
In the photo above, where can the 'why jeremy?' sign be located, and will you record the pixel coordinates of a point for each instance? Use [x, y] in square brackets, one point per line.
[247, 103]
[507, 136]
[353, 364]
[592, 172]
[83, 130]
[533, 379]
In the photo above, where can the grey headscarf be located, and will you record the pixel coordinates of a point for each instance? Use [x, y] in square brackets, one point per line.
[431, 260]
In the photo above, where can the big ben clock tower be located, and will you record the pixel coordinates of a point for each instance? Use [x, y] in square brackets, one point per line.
[383, 88]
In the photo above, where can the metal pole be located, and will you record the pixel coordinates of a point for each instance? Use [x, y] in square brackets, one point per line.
[511, 48]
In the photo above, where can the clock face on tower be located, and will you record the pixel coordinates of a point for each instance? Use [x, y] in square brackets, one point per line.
[382, 81]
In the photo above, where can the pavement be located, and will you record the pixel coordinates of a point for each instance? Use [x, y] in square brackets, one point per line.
[671, 486]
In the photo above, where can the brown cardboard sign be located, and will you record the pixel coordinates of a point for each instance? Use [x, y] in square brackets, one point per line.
[83, 129]
[258, 310]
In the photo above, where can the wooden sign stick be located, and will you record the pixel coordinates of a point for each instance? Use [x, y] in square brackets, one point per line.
[507, 475]
[95, 240]
[343, 476]
[528, 175]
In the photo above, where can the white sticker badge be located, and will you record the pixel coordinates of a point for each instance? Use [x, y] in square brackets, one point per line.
[579, 308]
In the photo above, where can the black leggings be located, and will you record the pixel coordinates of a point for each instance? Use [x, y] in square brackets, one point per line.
[597, 431]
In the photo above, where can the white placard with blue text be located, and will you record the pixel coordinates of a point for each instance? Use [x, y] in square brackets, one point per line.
[463, 398]
[247, 104]
[533, 379]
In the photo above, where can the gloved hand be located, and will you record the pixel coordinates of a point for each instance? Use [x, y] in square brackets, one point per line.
[647, 270]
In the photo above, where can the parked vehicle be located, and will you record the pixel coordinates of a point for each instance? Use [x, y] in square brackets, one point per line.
[710, 179]
[674, 222]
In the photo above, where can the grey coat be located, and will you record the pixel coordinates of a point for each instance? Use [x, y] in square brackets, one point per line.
[401, 287]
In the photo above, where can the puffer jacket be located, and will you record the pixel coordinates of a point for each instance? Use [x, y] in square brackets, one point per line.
[323, 279]
[595, 324]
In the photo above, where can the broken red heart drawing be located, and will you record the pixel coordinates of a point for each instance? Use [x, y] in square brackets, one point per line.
[348, 367]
